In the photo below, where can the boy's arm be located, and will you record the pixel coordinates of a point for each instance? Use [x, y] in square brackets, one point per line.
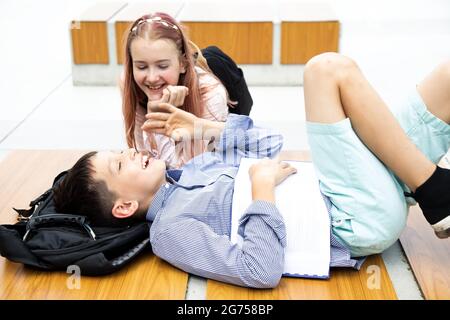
[241, 139]
[194, 247]
[232, 140]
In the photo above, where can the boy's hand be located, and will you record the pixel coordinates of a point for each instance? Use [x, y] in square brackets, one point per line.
[270, 171]
[170, 121]
[267, 174]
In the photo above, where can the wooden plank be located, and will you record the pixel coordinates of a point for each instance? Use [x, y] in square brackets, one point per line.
[134, 11]
[249, 43]
[25, 175]
[244, 42]
[90, 42]
[371, 282]
[89, 33]
[300, 41]
[147, 278]
[428, 255]
[343, 284]
[121, 38]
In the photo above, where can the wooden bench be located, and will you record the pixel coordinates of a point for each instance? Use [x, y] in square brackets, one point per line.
[264, 37]
[307, 29]
[428, 256]
[371, 282]
[89, 33]
[133, 11]
[343, 284]
[244, 30]
[25, 175]
[93, 49]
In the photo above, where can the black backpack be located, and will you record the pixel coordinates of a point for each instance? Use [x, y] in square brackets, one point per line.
[48, 240]
[232, 78]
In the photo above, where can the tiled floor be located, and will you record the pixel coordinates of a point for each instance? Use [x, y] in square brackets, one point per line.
[395, 44]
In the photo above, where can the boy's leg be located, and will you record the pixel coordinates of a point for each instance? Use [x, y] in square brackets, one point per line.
[335, 89]
[348, 94]
[435, 91]
[368, 209]
[434, 196]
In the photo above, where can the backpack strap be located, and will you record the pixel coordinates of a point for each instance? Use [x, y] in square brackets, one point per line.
[25, 214]
[58, 219]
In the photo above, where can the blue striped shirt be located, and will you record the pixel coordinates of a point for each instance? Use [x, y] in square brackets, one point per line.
[191, 215]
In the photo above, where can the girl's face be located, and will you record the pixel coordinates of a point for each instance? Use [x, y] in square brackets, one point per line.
[156, 65]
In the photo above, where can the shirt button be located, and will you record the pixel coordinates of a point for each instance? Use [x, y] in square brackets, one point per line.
[337, 223]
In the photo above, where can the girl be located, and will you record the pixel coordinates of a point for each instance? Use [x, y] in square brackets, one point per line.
[160, 67]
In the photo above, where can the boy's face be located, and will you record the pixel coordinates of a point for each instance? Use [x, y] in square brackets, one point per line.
[128, 175]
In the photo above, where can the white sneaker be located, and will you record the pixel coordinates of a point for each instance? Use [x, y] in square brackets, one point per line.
[442, 228]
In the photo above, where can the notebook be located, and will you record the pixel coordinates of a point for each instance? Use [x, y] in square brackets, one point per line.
[307, 221]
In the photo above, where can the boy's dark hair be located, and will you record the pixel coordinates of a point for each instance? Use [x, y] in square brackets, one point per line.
[80, 194]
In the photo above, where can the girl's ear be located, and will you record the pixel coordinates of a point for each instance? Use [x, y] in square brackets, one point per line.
[183, 64]
[183, 69]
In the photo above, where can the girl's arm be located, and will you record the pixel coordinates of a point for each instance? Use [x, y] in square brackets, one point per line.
[215, 97]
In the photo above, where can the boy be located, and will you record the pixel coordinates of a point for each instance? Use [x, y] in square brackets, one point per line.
[190, 208]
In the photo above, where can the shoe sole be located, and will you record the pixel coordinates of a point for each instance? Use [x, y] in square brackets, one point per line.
[443, 234]
[442, 228]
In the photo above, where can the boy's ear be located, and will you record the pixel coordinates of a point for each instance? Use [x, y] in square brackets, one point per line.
[124, 209]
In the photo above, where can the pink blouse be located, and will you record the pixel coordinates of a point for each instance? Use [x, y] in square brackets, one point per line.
[175, 156]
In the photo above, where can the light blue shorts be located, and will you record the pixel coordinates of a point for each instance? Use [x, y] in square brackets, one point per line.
[369, 209]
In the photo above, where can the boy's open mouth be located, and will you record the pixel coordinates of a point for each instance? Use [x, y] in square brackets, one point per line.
[145, 161]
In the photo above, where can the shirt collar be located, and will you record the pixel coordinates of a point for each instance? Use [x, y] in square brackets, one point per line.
[172, 176]
[157, 202]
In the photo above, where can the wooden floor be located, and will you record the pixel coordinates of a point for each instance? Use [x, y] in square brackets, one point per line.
[26, 174]
[428, 255]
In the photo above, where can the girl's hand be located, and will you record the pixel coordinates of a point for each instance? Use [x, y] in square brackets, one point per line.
[170, 121]
[270, 172]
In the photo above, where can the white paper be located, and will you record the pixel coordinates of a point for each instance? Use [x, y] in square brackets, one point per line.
[305, 215]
